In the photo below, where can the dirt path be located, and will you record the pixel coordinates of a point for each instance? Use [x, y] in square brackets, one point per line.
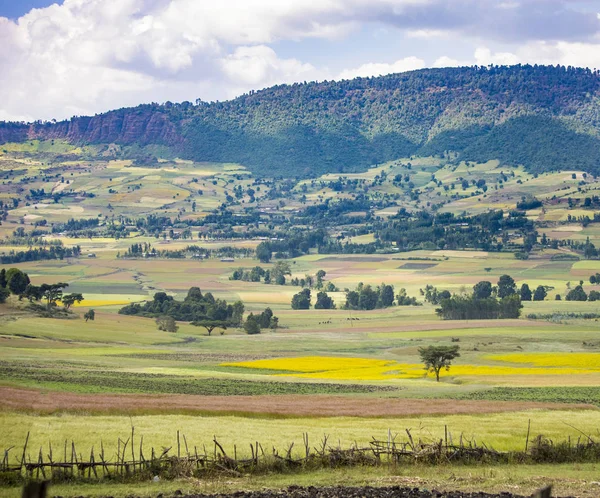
[43, 401]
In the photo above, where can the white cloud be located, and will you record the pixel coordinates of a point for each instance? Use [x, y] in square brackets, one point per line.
[88, 56]
[446, 61]
[259, 65]
[380, 69]
[484, 57]
[563, 53]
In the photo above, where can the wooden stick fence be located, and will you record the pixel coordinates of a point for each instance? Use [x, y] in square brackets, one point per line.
[190, 461]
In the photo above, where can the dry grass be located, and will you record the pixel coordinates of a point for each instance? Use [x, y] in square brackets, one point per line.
[45, 402]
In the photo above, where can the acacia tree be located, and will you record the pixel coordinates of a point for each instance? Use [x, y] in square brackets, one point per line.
[437, 357]
[211, 325]
[52, 293]
[69, 300]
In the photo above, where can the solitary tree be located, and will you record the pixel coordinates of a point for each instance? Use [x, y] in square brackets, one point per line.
[90, 315]
[167, 323]
[211, 325]
[437, 357]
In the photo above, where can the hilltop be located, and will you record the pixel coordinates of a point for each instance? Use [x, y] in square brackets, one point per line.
[542, 117]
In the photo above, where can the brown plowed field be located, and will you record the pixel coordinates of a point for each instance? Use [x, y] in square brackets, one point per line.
[42, 401]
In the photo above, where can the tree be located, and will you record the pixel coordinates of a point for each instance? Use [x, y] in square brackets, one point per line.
[510, 307]
[33, 293]
[4, 293]
[437, 357]
[540, 293]
[264, 252]
[251, 326]
[17, 281]
[90, 315]
[594, 296]
[211, 325]
[526, 293]
[386, 296]
[404, 300]
[279, 271]
[237, 313]
[367, 298]
[52, 293]
[506, 286]
[264, 319]
[301, 301]
[167, 323]
[320, 276]
[482, 290]
[324, 302]
[194, 295]
[69, 300]
[3, 278]
[576, 294]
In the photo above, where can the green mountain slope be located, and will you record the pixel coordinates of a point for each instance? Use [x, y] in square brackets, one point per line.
[543, 117]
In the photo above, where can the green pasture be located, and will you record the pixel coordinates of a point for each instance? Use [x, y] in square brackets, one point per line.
[504, 432]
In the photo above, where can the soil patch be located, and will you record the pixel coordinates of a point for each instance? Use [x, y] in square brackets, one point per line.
[417, 266]
[355, 492]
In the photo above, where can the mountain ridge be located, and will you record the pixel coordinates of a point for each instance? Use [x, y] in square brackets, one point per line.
[543, 117]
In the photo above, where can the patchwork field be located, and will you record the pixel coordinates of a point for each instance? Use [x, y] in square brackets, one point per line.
[350, 374]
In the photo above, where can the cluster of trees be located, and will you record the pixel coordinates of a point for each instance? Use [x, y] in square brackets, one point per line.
[294, 244]
[275, 275]
[202, 310]
[486, 231]
[485, 303]
[302, 300]
[366, 297]
[265, 320]
[40, 254]
[17, 282]
[195, 307]
[578, 294]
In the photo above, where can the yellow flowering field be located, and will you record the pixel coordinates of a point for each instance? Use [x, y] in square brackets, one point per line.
[587, 361]
[336, 368]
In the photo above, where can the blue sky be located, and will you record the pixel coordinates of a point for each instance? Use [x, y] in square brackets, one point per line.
[16, 8]
[77, 57]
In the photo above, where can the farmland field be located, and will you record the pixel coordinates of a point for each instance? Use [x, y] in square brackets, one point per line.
[348, 373]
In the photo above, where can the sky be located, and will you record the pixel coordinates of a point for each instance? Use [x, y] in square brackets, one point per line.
[82, 57]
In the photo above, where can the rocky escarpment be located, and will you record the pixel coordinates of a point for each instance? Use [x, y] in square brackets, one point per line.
[143, 125]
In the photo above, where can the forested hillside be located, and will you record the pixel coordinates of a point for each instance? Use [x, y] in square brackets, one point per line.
[543, 117]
